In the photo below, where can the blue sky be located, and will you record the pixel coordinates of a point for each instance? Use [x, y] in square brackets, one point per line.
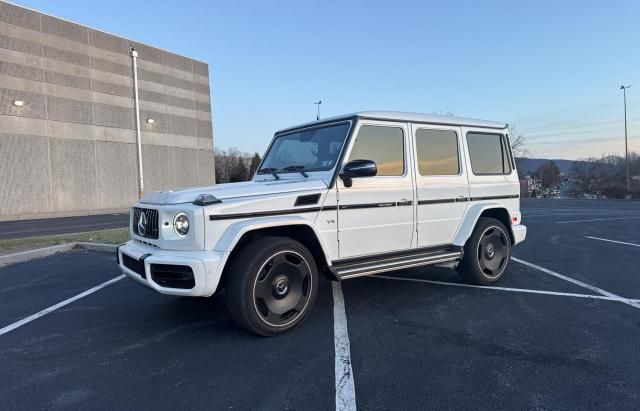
[551, 68]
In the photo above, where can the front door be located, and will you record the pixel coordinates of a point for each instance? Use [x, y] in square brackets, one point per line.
[376, 214]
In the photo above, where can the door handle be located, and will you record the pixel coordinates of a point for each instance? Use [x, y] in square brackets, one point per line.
[404, 202]
[461, 199]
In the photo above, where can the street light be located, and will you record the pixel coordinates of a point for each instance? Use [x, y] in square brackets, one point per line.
[626, 143]
[317, 103]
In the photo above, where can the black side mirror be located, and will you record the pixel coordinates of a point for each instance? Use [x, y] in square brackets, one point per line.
[357, 169]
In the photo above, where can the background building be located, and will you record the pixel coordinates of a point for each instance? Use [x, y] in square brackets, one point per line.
[67, 118]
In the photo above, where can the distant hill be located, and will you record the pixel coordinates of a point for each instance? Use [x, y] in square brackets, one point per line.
[532, 164]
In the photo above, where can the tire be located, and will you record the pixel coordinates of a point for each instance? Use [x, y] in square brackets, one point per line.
[271, 285]
[487, 253]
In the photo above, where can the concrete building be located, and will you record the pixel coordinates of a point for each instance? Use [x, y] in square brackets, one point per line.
[67, 118]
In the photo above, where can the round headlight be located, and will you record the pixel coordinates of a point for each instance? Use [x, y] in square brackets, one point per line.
[181, 224]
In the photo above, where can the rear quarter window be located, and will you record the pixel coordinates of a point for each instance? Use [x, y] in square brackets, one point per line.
[489, 153]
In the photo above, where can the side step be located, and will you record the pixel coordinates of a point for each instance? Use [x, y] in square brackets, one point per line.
[357, 267]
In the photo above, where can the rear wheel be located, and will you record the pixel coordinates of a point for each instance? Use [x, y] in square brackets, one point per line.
[487, 253]
[271, 285]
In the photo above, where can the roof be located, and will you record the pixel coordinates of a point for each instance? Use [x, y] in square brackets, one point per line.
[409, 117]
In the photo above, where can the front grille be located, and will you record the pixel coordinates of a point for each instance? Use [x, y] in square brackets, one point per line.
[150, 229]
[134, 265]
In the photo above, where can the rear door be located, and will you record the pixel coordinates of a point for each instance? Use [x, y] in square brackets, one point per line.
[442, 188]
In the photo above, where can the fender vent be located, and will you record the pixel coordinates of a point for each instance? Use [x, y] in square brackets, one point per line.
[309, 199]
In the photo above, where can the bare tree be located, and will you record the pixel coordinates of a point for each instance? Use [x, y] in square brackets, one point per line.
[518, 142]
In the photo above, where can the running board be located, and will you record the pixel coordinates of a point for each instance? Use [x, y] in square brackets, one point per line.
[352, 268]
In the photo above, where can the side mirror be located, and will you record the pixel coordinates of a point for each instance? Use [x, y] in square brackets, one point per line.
[357, 169]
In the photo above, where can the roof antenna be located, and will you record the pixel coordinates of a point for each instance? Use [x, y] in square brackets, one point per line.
[317, 103]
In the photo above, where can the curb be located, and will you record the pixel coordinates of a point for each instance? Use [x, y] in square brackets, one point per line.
[105, 248]
[10, 259]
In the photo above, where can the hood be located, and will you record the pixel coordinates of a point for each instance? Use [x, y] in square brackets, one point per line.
[234, 190]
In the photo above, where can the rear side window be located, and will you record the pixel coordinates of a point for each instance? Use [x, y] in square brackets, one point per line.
[384, 145]
[437, 152]
[488, 153]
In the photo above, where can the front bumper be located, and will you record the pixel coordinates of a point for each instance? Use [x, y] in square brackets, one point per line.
[206, 267]
[519, 233]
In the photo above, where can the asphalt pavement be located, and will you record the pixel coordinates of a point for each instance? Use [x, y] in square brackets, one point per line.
[61, 225]
[560, 331]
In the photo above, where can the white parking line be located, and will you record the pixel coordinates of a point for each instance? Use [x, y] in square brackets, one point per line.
[615, 297]
[597, 219]
[345, 388]
[612, 241]
[486, 287]
[46, 311]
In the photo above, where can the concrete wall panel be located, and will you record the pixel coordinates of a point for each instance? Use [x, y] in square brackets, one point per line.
[201, 68]
[181, 125]
[110, 99]
[148, 75]
[65, 109]
[66, 68]
[181, 102]
[176, 61]
[109, 88]
[21, 71]
[24, 46]
[184, 176]
[21, 84]
[68, 92]
[156, 163]
[108, 42]
[159, 121]
[116, 174]
[23, 125]
[19, 17]
[201, 88]
[178, 83]
[110, 66]
[206, 167]
[153, 96]
[18, 57]
[65, 29]
[116, 135]
[111, 116]
[66, 56]
[33, 103]
[205, 129]
[24, 190]
[73, 175]
[77, 131]
[67, 80]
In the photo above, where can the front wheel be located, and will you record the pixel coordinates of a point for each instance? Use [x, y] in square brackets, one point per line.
[487, 253]
[271, 285]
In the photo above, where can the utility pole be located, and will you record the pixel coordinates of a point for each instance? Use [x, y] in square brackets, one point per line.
[626, 139]
[317, 103]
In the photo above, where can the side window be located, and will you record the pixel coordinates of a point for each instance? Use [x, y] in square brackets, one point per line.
[437, 152]
[488, 153]
[384, 145]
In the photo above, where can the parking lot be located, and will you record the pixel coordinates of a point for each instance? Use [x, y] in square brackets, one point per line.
[561, 330]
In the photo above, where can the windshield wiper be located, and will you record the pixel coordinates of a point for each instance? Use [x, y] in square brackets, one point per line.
[269, 170]
[297, 169]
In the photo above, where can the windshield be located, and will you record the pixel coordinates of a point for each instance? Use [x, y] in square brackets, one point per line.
[314, 149]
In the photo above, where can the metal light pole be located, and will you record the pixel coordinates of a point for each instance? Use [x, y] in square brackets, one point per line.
[626, 140]
[317, 103]
[134, 58]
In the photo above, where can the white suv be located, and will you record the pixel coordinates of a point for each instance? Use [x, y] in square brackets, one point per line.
[344, 197]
